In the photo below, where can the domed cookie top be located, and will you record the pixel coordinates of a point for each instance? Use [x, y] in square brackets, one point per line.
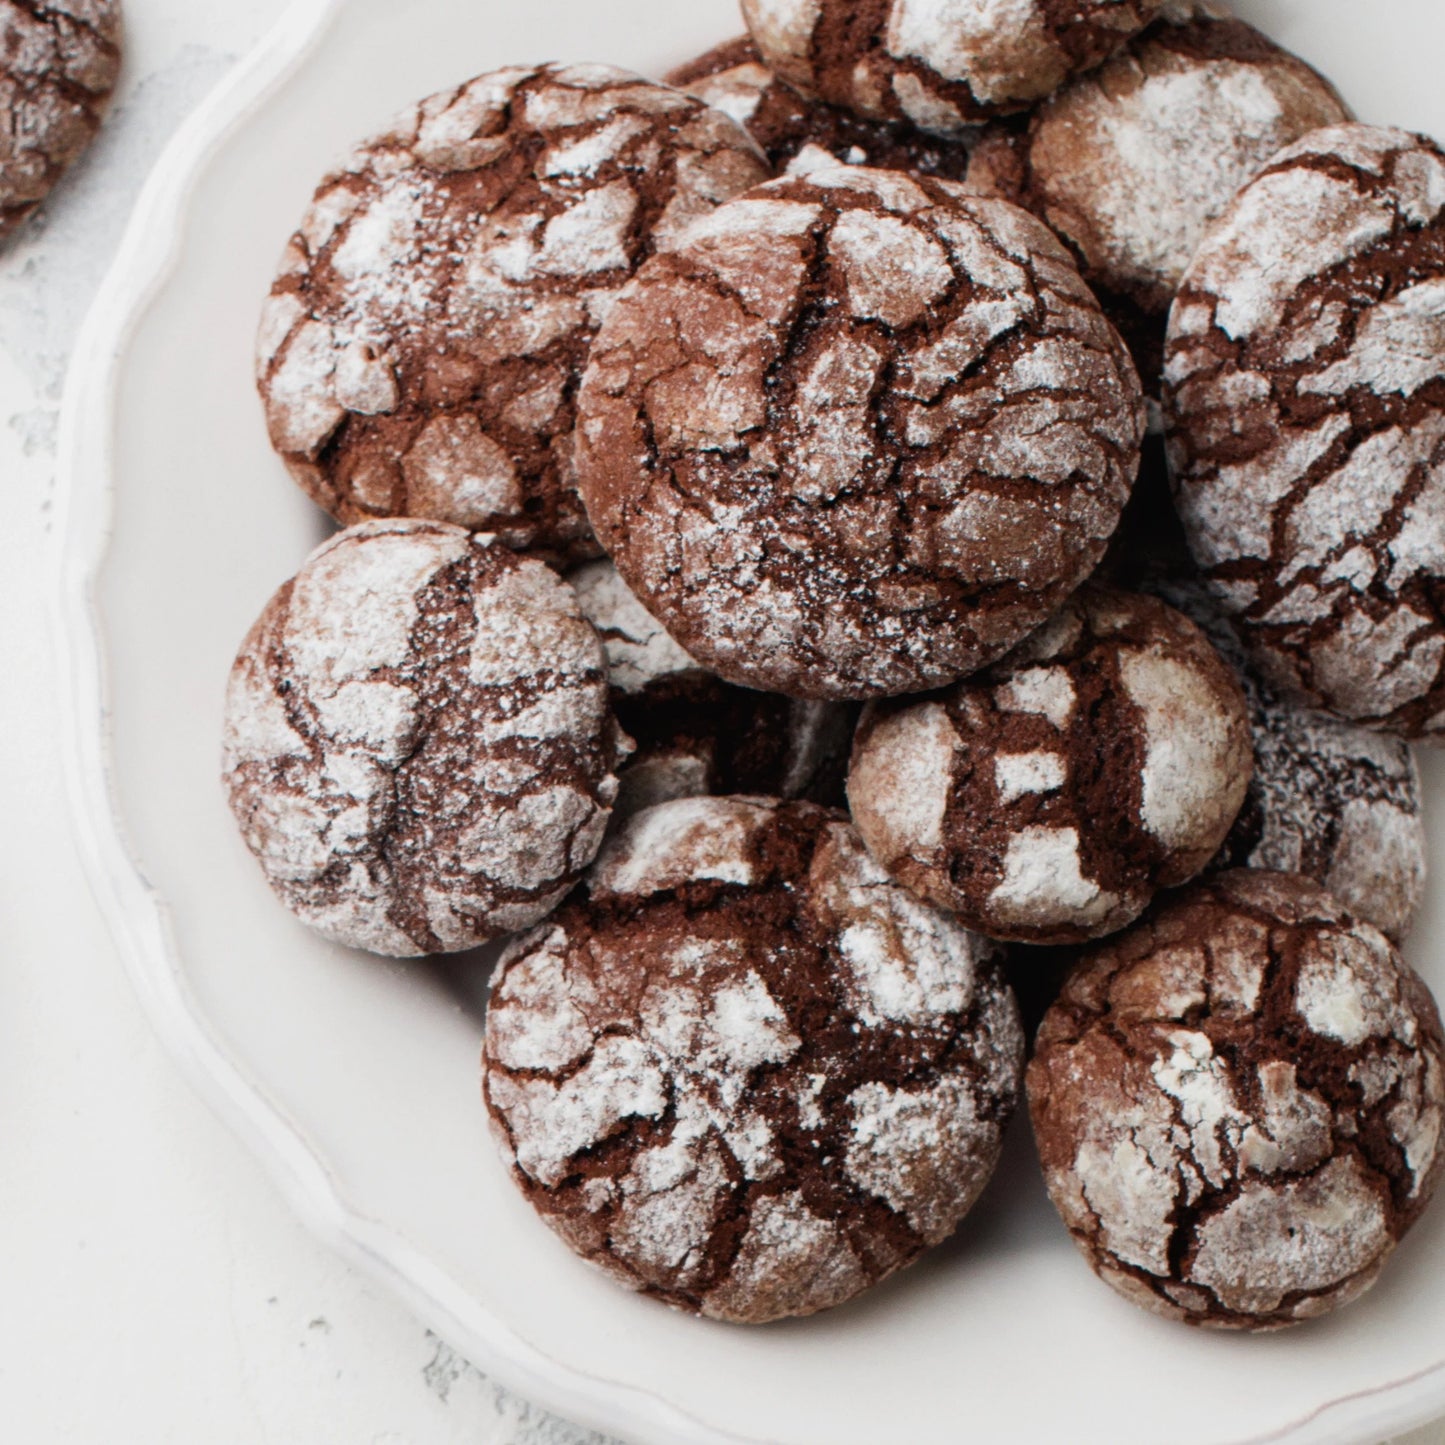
[418, 745]
[58, 66]
[421, 347]
[798, 134]
[744, 1073]
[695, 733]
[1131, 163]
[941, 64]
[1048, 799]
[1238, 1105]
[1305, 391]
[1329, 799]
[858, 434]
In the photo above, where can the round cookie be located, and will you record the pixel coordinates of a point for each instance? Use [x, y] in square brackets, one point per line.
[420, 351]
[941, 64]
[58, 66]
[695, 733]
[1305, 395]
[857, 435]
[418, 744]
[744, 1073]
[797, 134]
[1131, 164]
[1238, 1104]
[1050, 798]
[1329, 800]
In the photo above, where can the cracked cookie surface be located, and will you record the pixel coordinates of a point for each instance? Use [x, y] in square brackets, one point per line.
[1238, 1104]
[58, 66]
[1131, 163]
[1047, 800]
[1305, 397]
[941, 64]
[857, 434]
[418, 744]
[420, 350]
[1335, 802]
[745, 1073]
[797, 134]
[696, 734]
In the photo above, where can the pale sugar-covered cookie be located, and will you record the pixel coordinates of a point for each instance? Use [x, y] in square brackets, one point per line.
[744, 1073]
[420, 350]
[857, 434]
[1238, 1104]
[58, 66]
[418, 744]
[1049, 798]
[1305, 396]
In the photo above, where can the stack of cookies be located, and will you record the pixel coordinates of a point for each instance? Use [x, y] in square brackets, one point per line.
[766, 594]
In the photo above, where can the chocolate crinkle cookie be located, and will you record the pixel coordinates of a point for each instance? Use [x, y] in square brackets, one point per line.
[798, 134]
[59, 61]
[1132, 163]
[420, 350]
[418, 744]
[1238, 1105]
[743, 1073]
[941, 64]
[1329, 799]
[1049, 798]
[696, 734]
[1305, 394]
[857, 434]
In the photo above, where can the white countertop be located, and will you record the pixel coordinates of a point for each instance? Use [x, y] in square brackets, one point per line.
[155, 1287]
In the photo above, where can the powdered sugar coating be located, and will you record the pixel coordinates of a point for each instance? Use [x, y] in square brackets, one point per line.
[1239, 1104]
[941, 64]
[420, 350]
[1305, 392]
[746, 1074]
[418, 745]
[696, 733]
[1332, 801]
[58, 66]
[857, 435]
[1047, 799]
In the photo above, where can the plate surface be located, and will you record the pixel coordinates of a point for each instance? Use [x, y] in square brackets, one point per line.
[356, 1078]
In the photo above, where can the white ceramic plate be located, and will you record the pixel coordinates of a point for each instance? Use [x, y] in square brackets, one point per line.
[356, 1079]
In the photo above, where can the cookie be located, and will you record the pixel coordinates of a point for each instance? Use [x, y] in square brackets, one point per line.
[797, 134]
[1305, 395]
[418, 744]
[1238, 1105]
[1132, 163]
[857, 435]
[696, 734]
[743, 1073]
[58, 66]
[1050, 798]
[420, 351]
[1330, 800]
[941, 64]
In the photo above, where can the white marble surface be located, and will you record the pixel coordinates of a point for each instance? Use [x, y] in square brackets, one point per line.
[155, 1289]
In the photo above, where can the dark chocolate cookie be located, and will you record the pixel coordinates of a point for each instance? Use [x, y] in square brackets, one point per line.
[797, 134]
[418, 744]
[1048, 799]
[1132, 163]
[858, 434]
[420, 351]
[1305, 394]
[942, 64]
[744, 1073]
[58, 66]
[1238, 1104]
